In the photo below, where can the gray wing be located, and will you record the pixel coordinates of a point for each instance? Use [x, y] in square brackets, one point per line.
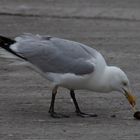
[56, 55]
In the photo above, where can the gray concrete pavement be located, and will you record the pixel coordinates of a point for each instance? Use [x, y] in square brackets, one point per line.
[126, 9]
[112, 27]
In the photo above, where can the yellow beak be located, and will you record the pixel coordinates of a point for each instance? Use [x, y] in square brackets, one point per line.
[130, 98]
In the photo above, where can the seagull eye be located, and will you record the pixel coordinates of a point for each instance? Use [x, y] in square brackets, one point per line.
[124, 83]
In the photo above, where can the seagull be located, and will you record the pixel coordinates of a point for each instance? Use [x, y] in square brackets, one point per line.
[68, 64]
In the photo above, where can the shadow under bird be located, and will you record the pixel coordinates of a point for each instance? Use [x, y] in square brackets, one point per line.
[69, 64]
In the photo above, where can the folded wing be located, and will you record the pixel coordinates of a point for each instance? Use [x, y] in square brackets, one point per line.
[55, 55]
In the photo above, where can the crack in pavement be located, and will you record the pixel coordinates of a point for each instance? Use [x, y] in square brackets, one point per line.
[97, 17]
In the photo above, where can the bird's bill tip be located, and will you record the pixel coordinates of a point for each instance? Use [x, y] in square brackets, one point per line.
[131, 98]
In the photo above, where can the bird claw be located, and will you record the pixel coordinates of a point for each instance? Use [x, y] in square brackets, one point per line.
[84, 115]
[57, 115]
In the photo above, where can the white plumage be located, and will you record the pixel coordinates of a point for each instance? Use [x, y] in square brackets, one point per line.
[69, 64]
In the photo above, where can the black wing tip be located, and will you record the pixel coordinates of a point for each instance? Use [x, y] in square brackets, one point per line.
[6, 40]
[5, 43]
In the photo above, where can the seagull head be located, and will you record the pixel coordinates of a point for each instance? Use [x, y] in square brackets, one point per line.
[119, 82]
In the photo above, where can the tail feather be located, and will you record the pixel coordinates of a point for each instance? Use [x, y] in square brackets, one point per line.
[5, 43]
